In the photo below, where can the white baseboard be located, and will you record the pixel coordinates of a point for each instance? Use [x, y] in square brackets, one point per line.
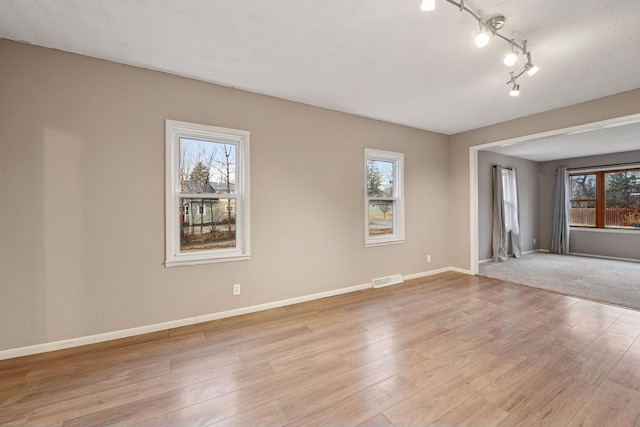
[125, 333]
[604, 257]
[437, 271]
[460, 270]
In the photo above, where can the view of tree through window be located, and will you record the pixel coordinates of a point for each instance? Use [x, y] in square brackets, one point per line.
[622, 199]
[583, 200]
[380, 185]
[606, 199]
[207, 175]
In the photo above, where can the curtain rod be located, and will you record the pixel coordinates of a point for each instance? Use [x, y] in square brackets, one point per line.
[602, 167]
[503, 167]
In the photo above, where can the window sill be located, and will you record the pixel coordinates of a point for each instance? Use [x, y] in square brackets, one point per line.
[605, 230]
[370, 244]
[185, 262]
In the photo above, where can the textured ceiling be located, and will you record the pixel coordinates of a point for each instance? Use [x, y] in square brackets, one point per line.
[383, 59]
[616, 137]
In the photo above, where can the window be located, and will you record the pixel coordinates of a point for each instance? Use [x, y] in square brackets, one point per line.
[608, 198]
[384, 197]
[207, 194]
[510, 196]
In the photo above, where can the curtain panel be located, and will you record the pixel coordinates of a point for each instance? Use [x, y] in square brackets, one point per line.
[560, 232]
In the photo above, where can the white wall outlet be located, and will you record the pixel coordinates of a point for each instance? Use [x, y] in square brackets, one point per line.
[534, 241]
[236, 289]
[428, 258]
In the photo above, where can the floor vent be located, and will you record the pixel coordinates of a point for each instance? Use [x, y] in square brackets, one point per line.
[386, 281]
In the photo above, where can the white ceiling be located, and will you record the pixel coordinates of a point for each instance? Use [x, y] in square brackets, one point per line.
[614, 137]
[383, 59]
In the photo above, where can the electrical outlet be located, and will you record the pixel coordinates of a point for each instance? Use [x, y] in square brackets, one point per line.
[236, 289]
[534, 241]
[428, 258]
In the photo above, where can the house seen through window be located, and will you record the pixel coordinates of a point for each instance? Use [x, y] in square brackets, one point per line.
[207, 200]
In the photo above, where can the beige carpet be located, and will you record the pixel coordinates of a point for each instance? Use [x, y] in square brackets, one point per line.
[603, 280]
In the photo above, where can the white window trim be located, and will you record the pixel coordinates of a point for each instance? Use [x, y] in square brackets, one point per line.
[174, 130]
[398, 197]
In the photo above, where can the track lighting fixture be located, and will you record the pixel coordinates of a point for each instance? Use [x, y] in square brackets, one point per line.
[490, 28]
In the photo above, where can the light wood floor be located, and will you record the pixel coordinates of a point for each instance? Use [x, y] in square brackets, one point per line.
[445, 350]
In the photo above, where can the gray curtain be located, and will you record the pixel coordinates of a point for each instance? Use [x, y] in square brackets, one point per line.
[506, 224]
[560, 236]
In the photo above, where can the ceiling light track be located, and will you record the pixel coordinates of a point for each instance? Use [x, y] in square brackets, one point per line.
[490, 28]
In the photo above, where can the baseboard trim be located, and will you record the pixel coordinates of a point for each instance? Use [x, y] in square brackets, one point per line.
[613, 258]
[141, 330]
[461, 270]
[436, 271]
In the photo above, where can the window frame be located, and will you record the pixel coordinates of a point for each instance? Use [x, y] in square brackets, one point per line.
[600, 200]
[398, 198]
[174, 131]
[509, 198]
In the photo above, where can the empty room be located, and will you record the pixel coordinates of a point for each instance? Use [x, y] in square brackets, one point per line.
[314, 212]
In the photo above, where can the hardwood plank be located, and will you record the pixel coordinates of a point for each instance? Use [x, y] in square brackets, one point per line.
[194, 385]
[378, 420]
[427, 405]
[472, 412]
[552, 406]
[268, 414]
[611, 405]
[324, 394]
[347, 409]
[627, 371]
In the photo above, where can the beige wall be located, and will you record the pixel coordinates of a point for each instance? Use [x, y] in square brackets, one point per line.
[619, 105]
[82, 187]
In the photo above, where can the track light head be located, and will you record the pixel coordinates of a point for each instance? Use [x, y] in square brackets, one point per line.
[428, 5]
[512, 56]
[482, 38]
[531, 69]
[510, 59]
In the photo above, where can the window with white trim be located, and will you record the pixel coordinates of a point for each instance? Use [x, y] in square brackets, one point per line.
[384, 197]
[207, 194]
[606, 197]
[510, 199]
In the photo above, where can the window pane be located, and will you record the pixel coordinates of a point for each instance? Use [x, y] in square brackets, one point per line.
[583, 186]
[207, 224]
[380, 178]
[583, 214]
[622, 199]
[381, 218]
[207, 167]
